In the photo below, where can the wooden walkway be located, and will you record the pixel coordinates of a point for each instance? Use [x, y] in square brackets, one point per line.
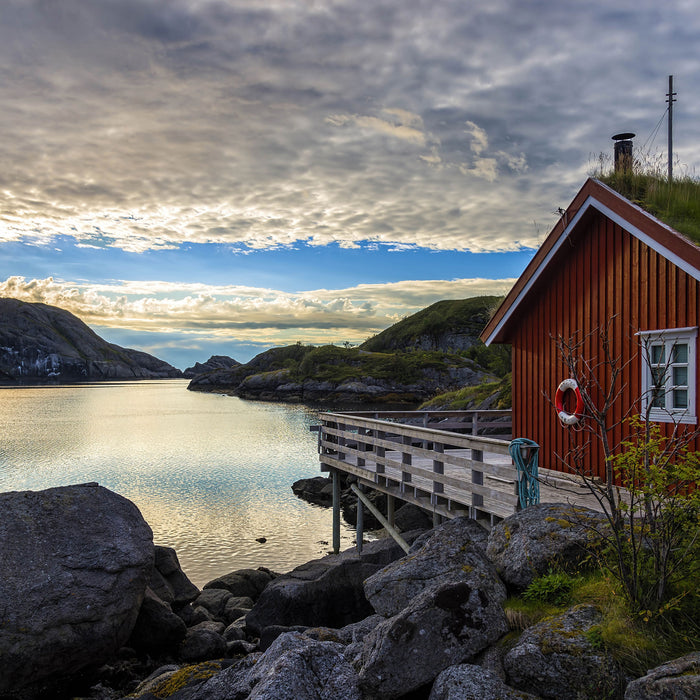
[445, 472]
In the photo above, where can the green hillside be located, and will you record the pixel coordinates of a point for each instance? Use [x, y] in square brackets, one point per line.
[447, 326]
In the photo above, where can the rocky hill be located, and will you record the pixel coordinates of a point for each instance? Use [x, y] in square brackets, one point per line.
[450, 326]
[343, 376]
[214, 362]
[40, 343]
[434, 351]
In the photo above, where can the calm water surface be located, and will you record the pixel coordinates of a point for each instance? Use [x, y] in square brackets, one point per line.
[209, 473]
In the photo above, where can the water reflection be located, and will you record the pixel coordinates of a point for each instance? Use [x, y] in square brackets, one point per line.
[210, 473]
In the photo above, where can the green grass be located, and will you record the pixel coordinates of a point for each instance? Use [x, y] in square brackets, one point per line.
[466, 316]
[470, 397]
[635, 643]
[677, 203]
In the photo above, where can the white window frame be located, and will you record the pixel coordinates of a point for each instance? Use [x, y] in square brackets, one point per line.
[668, 338]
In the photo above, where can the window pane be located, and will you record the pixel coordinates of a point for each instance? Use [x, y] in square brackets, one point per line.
[658, 376]
[657, 354]
[658, 398]
[680, 376]
[680, 353]
[680, 398]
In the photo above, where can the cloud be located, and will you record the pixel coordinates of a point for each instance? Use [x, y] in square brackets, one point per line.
[143, 125]
[243, 313]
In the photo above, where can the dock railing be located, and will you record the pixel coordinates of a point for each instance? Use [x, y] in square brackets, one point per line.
[412, 456]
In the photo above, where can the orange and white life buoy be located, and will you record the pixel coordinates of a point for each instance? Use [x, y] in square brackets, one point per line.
[564, 417]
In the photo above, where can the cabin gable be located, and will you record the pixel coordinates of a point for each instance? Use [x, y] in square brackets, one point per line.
[597, 272]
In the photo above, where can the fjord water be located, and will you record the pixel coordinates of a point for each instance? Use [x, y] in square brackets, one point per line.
[211, 474]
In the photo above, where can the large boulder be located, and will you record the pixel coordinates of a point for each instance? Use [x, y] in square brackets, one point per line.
[248, 583]
[675, 680]
[324, 592]
[74, 565]
[293, 668]
[453, 551]
[445, 625]
[562, 659]
[526, 544]
[168, 581]
[467, 682]
[158, 629]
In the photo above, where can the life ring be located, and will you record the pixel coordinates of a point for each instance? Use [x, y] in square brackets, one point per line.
[564, 417]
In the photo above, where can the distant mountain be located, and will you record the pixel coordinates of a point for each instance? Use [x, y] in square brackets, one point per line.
[41, 343]
[214, 362]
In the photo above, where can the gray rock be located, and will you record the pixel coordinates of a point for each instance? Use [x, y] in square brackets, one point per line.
[675, 680]
[559, 659]
[237, 607]
[445, 625]
[192, 615]
[169, 581]
[214, 601]
[235, 631]
[176, 682]
[158, 628]
[270, 634]
[318, 489]
[74, 565]
[244, 582]
[466, 682]
[410, 517]
[201, 644]
[239, 647]
[325, 592]
[453, 551]
[527, 543]
[293, 668]
[212, 625]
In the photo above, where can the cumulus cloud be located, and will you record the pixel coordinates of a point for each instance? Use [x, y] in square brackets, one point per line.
[246, 313]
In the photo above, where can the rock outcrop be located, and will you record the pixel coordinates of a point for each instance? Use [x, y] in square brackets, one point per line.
[453, 552]
[324, 592]
[40, 343]
[468, 682]
[526, 544]
[213, 363]
[562, 659]
[676, 680]
[74, 566]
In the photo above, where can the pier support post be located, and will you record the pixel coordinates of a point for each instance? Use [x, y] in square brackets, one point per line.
[336, 511]
[390, 509]
[360, 523]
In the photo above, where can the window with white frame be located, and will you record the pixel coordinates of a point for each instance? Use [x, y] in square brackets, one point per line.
[668, 375]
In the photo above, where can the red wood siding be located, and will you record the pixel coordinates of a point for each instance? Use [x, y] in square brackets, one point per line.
[602, 275]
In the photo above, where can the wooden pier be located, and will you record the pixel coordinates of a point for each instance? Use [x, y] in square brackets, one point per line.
[449, 463]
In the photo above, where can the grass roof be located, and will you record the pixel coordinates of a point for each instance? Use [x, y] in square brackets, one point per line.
[677, 203]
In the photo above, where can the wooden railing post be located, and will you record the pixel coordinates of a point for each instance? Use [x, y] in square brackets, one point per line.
[438, 468]
[406, 461]
[336, 511]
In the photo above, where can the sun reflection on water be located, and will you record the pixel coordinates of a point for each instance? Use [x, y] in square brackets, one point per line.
[210, 473]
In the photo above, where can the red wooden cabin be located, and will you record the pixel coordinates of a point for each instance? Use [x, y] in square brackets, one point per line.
[606, 264]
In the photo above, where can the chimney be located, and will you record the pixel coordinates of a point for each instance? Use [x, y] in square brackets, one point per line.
[623, 152]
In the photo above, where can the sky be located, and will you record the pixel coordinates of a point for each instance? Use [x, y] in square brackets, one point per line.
[199, 177]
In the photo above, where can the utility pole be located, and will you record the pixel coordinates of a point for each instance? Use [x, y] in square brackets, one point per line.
[671, 99]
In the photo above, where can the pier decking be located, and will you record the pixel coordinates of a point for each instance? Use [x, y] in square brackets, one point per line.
[449, 463]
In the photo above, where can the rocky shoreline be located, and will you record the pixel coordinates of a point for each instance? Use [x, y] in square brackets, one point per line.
[93, 609]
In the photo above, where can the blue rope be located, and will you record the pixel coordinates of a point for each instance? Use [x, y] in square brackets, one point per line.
[528, 485]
